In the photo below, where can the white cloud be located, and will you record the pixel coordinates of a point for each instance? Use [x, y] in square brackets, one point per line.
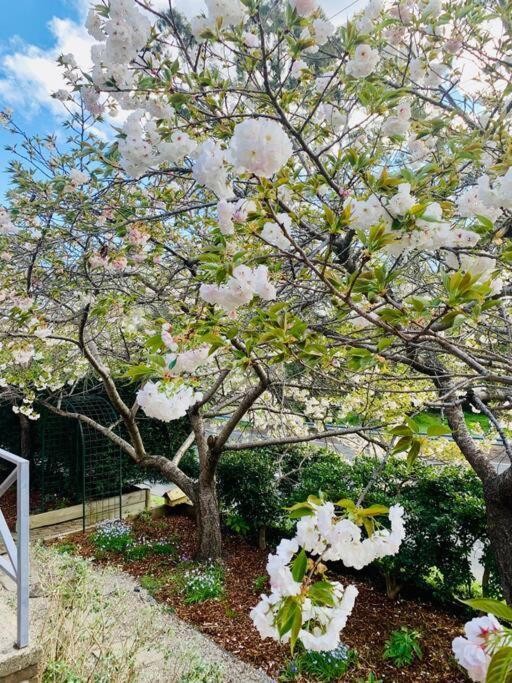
[28, 74]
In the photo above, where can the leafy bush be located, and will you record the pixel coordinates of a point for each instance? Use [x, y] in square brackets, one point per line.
[327, 666]
[322, 666]
[444, 505]
[403, 647]
[140, 551]
[200, 582]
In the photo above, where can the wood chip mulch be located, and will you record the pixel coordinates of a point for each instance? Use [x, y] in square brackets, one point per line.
[228, 623]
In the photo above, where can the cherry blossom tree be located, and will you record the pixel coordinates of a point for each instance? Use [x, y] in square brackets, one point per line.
[307, 218]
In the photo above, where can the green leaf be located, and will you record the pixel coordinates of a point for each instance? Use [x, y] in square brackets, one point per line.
[299, 566]
[373, 511]
[437, 430]
[413, 453]
[500, 666]
[296, 626]
[287, 615]
[346, 503]
[496, 607]
[322, 593]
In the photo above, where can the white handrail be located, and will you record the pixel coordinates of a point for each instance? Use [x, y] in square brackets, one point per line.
[16, 564]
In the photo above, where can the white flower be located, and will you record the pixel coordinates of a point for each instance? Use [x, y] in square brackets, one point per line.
[188, 361]
[231, 12]
[6, 224]
[239, 289]
[363, 62]
[225, 213]
[336, 118]
[399, 122]
[298, 66]
[471, 652]
[260, 146]
[304, 7]
[402, 201]
[210, 169]
[93, 25]
[177, 148]
[364, 213]
[251, 40]
[166, 403]
[281, 579]
[273, 234]
[326, 623]
[201, 25]
[263, 617]
[322, 31]
[472, 658]
[77, 178]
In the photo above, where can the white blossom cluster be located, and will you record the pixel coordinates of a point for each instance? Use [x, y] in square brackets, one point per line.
[210, 169]
[142, 148]
[473, 652]
[166, 402]
[240, 288]
[122, 36]
[180, 362]
[432, 231]
[6, 224]
[329, 538]
[273, 232]
[223, 12]
[364, 61]
[340, 540]
[260, 146]
[229, 213]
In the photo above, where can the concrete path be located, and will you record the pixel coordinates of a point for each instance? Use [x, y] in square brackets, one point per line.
[174, 639]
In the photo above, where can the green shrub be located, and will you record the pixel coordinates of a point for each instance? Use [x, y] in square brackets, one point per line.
[141, 551]
[327, 666]
[113, 536]
[444, 504]
[200, 582]
[445, 516]
[321, 666]
[152, 583]
[260, 583]
[403, 647]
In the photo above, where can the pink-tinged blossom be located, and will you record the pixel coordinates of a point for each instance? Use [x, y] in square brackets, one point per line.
[363, 62]
[260, 146]
[304, 7]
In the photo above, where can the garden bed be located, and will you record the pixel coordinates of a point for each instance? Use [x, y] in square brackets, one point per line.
[226, 619]
[133, 502]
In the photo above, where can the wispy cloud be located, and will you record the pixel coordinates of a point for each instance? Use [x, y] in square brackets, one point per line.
[28, 74]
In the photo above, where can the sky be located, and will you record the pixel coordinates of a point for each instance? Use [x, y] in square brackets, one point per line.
[33, 33]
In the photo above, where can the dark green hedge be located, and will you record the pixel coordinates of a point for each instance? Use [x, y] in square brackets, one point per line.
[444, 505]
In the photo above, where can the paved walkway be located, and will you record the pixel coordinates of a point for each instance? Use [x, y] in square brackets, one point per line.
[179, 642]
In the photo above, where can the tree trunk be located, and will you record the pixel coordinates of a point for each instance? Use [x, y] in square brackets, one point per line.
[393, 587]
[499, 527]
[208, 521]
[262, 538]
[25, 437]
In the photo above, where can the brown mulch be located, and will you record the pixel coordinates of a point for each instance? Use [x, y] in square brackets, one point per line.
[227, 620]
[9, 505]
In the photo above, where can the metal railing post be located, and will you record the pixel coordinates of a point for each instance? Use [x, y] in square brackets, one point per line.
[23, 512]
[16, 564]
